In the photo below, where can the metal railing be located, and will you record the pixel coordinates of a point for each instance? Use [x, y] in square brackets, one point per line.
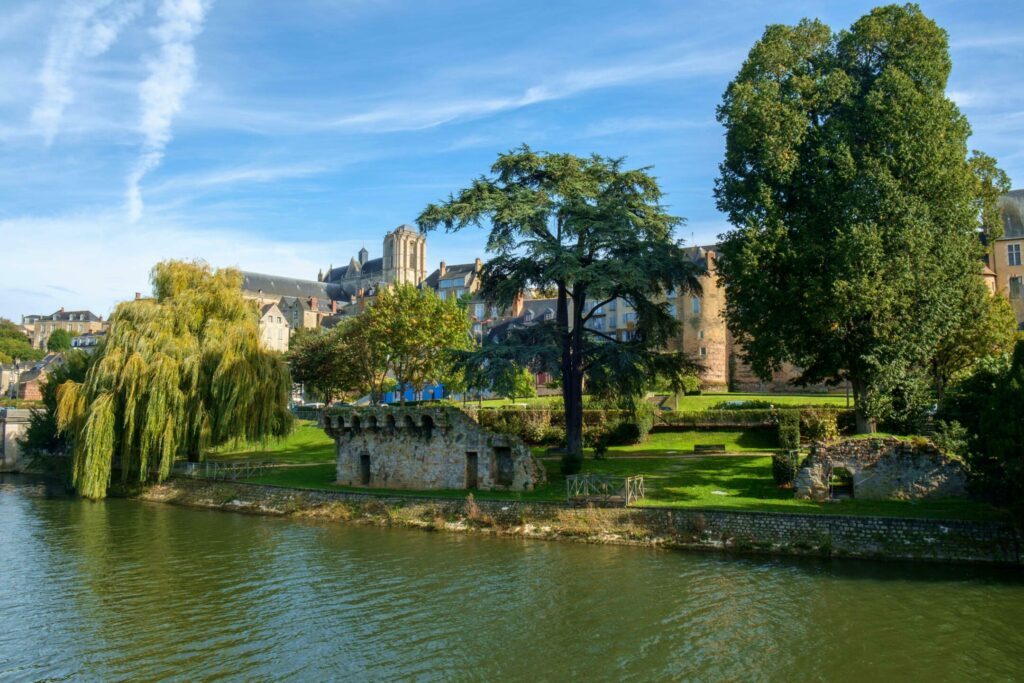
[603, 488]
[226, 471]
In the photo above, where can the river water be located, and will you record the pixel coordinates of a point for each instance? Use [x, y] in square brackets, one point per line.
[120, 590]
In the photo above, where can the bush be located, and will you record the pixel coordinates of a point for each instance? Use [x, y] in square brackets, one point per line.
[789, 429]
[951, 438]
[785, 465]
[820, 424]
[719, 418]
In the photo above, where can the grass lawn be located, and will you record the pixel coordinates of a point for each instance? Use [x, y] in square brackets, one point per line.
[708, 401]
[677, 443]
[712, 482]
[306, 444]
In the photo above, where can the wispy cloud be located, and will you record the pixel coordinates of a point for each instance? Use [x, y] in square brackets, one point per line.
[408, 114]
[85, 30]
[171, 74]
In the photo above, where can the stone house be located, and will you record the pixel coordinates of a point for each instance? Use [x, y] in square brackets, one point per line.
[274, 328]
[30, 383]
[426, 448]
[1006, 259]
[40, 327]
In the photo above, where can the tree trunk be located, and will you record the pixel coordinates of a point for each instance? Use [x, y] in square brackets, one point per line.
[572, 390]
[865, 424]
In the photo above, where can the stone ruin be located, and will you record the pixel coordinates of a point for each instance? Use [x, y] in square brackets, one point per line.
[880, 469]
[398, 447]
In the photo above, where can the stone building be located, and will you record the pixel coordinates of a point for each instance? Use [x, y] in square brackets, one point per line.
[274, 328]
[426, 448]
[1006, 259]
[40, 327]
[404, 262]
[30, 383]
[879, 469]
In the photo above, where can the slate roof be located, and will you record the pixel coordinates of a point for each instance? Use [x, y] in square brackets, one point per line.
[65, 316]
[274, 285]
[374, 266]
[434, 279]
[1012, 205]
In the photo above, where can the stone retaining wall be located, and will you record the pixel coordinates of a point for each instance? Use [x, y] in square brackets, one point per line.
[765, 532]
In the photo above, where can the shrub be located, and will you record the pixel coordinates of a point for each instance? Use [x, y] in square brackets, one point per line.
[951, 438]
[789, 429]
[785, 465]
[820, 424]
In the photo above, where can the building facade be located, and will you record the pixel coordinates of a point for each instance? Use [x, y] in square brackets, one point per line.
[1006, 257]
[274, 328]
[40, 327]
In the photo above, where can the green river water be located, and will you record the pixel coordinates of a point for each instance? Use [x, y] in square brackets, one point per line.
[121, 590]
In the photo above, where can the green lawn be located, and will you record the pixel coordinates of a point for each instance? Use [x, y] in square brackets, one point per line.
[306, 444]
[708, 401]
[676, 443]
[701, 402]
[712, 482]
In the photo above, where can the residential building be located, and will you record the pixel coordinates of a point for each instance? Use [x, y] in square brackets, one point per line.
[40, 327]
[30, 382]
[1006, 257]
[274, 328]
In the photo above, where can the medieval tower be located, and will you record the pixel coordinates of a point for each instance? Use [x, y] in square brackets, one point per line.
[405, 256]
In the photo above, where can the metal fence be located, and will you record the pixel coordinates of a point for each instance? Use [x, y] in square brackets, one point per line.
[227, 471]
[604, 489]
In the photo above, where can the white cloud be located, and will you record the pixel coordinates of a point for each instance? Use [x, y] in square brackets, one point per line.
[103, 259]
[408, 114]
[161, 95]
[84, 30]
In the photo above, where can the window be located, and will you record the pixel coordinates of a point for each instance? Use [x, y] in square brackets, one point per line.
[613, 321]
[703, 352]
[1017, 287]
[1013, 254]
[700, 334]
[696, 306]
[479, 310]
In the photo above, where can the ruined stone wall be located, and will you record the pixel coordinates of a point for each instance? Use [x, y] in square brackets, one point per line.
[13, 423]
[426, 448]
[882, 469]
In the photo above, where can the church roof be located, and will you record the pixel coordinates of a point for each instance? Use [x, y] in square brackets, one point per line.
[277, 286]
[372, 267]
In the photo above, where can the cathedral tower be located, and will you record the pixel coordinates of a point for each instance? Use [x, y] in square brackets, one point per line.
[405, 256]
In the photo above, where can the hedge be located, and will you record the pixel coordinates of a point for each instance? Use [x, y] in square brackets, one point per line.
[789, 429]
[785, 465]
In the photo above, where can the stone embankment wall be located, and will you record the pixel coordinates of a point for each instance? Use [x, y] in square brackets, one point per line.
[882, 469]
[759, 532]
[426, 448]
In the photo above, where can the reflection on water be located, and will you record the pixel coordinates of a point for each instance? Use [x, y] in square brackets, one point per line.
[116, 590]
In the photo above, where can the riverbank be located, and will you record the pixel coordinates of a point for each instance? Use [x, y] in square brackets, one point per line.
[820, 535]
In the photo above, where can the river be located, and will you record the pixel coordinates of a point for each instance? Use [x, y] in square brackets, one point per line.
[119, 590]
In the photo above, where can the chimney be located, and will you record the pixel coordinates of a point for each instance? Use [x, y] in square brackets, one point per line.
[138, 295]
[313, 303]
[710, 258]
[334, 306]
[442, 269]
[61, 310]
[477, 265]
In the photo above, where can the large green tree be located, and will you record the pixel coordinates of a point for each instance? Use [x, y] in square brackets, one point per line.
[14, 345]
[414, 333]
[59, 340]
[591, 231]
[854, 204]
[177, 373]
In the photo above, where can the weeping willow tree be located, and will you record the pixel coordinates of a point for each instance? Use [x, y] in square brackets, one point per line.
[177, 374]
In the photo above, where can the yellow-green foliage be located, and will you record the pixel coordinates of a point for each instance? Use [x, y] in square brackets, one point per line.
[177, 374]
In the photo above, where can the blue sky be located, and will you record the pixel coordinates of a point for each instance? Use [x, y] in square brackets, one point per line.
[280, 137]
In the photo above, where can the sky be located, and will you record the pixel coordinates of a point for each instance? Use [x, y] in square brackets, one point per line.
[280, 137]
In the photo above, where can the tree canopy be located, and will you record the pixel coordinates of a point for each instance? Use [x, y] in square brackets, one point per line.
[591, 231]
[177, 373]
[14, 345]
[854, 203]
[59, 340]
[406, 336]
